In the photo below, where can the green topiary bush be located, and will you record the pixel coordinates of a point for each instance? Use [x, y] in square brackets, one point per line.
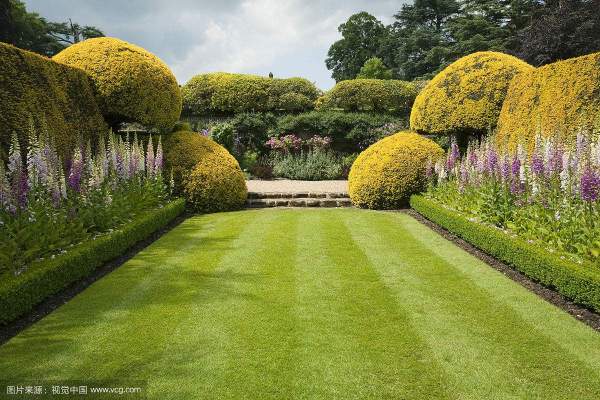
[376, 95]
[132, 84]
[386, 174]
[227, 93]
[204, 172]
[466, 97]
[59, 100]
[559, 99]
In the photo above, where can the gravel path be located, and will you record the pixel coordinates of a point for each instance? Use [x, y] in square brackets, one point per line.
[289, 186]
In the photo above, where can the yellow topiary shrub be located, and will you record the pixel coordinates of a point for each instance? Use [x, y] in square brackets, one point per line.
[386, 174]
[132, 84]
[58, 98]
[558, 99]
[378, 95]
[205, 172]
[467, 96]
[227, 93]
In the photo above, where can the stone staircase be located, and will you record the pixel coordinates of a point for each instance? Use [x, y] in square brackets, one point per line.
[298, 199]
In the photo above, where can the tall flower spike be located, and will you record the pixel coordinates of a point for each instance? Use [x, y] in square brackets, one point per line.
[17, 174]
[158, 160]
[150, 158]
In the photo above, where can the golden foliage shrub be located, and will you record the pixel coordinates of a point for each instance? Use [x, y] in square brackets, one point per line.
[559, 100]
[467, 96]
[132, 84]
[228, 93]
[386, 174]
[204, 172]
[377, 95]
[58, 98]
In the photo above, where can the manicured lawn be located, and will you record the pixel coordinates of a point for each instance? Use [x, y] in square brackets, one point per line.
[310, 303]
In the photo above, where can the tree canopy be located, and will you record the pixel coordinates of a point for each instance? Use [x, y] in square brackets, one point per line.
[374, 68]
[428, 35]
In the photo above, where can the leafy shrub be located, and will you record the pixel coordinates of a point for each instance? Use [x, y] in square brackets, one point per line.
[251, 130]
[561, 99]
[132, 84]
[19, 294]
[59, 97]
[581, 283]
[386, 174]
[349, 131]
[375, 95]
[229, 93]
[309, 165]
[467, 96]
[223, 134]
[205, 172]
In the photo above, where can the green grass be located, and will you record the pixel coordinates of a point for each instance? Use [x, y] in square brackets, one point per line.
[311, 304]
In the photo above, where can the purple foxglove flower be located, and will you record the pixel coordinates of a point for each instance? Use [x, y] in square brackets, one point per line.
[17, 174]
[492, 161]
[537, 164]
[590, 185]
[505, 169]
[453, 155]
[76, 171]
[4, 188]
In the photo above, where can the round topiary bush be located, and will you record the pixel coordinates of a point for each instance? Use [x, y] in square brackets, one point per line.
[558, 100]
[377, 95]
[467, 96]
[205, 172]
[385, 175]
[132, 84]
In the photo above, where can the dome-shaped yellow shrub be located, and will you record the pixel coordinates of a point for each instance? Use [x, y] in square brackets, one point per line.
[558, 99]
[132, 84]
[386, 174]
[467, 96]
[205, 172]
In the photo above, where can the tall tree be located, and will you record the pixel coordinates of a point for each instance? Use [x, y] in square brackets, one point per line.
[419, 42]
[561, 29]
[29, 31]
[362, 36]
[69, 33]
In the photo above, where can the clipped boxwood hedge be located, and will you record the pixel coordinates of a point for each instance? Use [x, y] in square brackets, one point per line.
[376, 95]
[562, 99]
[59, 99]
[581, 283]
[228, 93]
[132, 84]
[19, 294]
[467, 96]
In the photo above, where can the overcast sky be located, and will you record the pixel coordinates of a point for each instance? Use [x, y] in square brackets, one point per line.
[287, 37]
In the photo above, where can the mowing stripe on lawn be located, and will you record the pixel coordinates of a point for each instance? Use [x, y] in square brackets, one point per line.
[359, 342]
[310, 304]
[96, 334]
[486, 345]
[584, 346]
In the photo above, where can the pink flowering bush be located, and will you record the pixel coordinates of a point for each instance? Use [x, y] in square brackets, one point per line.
[47, 205]
[550, 196]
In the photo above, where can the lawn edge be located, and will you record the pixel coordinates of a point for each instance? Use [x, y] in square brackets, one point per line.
[434, 216]
[134, 237]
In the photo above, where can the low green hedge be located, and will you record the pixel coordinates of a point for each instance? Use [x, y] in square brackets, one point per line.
[19, 294]
[580, 283]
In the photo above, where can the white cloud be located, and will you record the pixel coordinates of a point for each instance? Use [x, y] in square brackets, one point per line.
[287, 37]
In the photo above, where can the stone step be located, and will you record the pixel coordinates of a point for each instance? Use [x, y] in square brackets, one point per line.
[299, 202]
[298, 195]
